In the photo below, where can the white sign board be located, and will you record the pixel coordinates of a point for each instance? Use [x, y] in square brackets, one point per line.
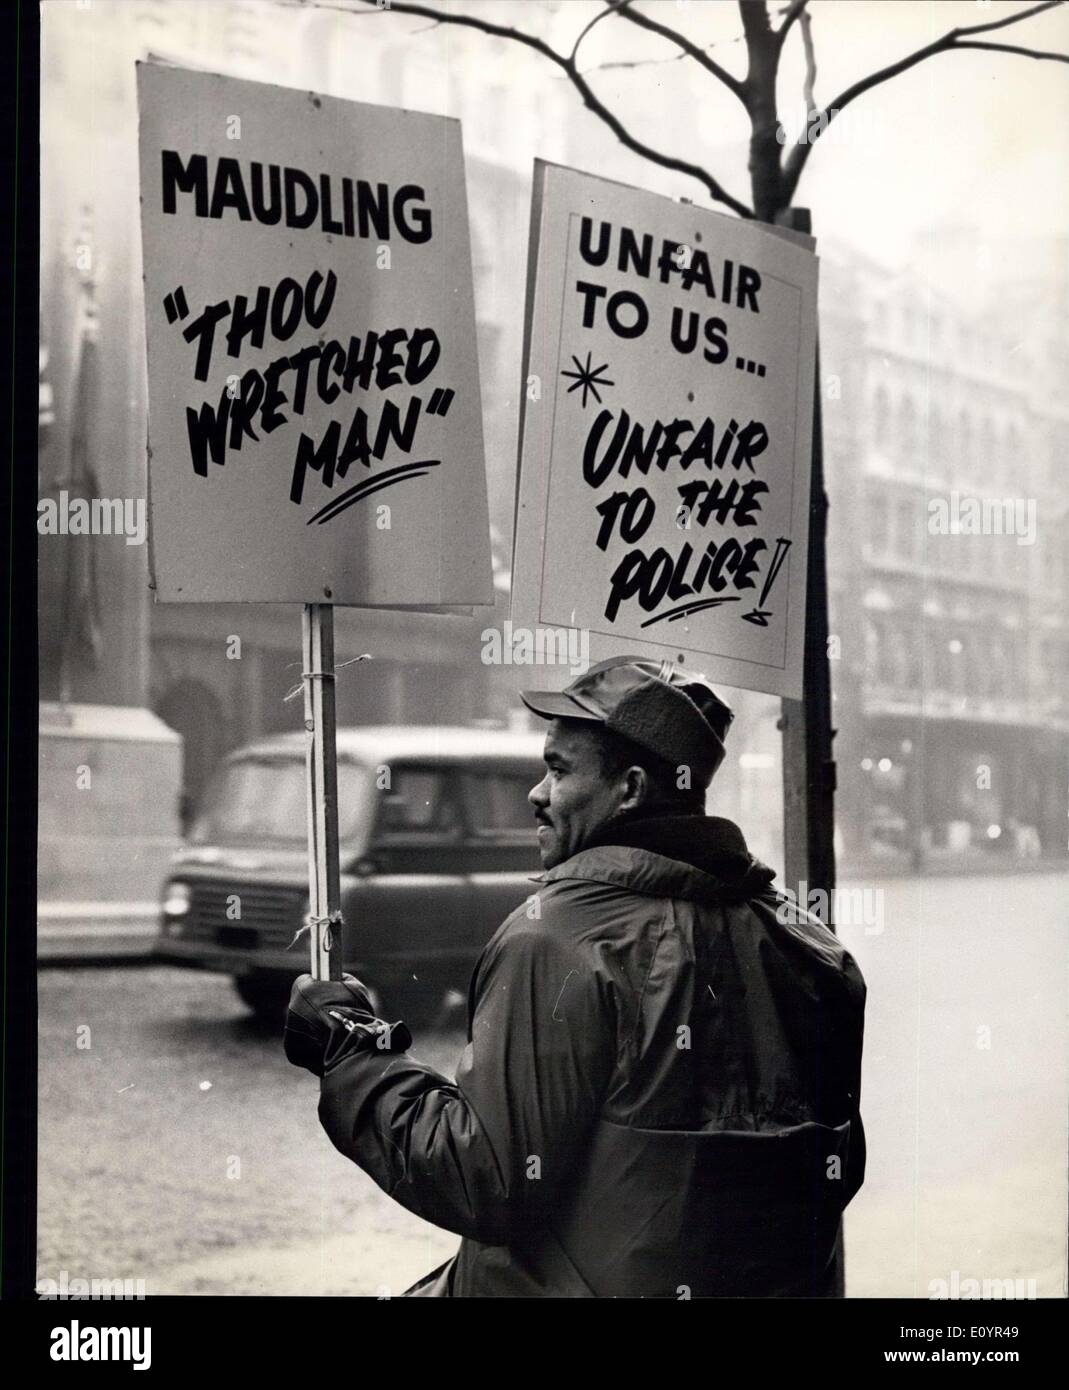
[315, 421]
[663, 500]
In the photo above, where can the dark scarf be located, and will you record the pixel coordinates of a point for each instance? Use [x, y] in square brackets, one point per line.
[712, 844]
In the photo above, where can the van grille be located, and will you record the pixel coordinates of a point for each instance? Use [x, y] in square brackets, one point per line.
[269, 915]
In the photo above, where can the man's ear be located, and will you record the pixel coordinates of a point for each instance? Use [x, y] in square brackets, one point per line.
[637, 789]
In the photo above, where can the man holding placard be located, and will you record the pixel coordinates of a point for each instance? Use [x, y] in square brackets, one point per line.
[659, 1096]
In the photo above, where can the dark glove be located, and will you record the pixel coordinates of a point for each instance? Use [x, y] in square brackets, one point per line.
[328, 1018]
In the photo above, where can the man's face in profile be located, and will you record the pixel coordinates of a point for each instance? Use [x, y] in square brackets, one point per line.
[575, 797]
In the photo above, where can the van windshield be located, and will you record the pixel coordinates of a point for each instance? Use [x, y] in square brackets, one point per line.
[265, 799]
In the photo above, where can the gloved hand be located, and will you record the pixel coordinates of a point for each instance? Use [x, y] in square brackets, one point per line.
[327, 1018]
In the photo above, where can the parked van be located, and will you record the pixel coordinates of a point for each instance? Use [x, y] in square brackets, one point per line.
[437, 847]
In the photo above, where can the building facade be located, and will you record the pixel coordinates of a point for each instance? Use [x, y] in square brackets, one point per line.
[950, 647]
[945, 436]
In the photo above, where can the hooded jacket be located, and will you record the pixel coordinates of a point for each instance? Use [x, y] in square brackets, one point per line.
[659, 1094]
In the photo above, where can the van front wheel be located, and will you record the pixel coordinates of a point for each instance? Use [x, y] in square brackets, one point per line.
[266, 995]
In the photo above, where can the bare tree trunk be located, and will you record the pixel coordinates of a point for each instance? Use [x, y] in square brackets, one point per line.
[763, 47]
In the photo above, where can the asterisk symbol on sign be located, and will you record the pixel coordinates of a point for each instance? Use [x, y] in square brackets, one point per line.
[588, 378]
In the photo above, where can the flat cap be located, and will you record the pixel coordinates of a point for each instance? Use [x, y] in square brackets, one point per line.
[670, 712]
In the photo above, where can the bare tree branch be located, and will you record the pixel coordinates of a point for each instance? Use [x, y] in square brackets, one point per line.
[1042, 54]
[590, 100]
[681, 166]
[953, 40]
[774, 181]
[485, 26]
[1009, 19]
[610, 7]
[809, 85]
[633, 63]
[681, 41]
[793, 10]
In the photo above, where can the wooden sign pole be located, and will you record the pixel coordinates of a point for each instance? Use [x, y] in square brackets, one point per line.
[808, 757]
[320, 721]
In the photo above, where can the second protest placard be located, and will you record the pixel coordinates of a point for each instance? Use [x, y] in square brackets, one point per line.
[664, 478]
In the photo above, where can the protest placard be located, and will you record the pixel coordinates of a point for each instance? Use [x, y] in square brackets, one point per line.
[315, 420]
[663, 496]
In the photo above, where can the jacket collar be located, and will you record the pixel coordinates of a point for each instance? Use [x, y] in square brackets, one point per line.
[704, 858]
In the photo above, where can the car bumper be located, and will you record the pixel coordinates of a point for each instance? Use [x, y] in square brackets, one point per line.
[231, 960]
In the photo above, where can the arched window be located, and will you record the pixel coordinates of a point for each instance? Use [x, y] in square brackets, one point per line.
[195, 710]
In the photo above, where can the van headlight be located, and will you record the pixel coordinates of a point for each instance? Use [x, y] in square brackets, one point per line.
[176, 904]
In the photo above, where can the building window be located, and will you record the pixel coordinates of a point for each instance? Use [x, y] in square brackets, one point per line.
[872, 650]
[965, 446]
[990, 669]
[1013, 462]
[999, 457]
[998, 659]
[907, 443]
[936, 442]
[979, 553]
[958, 666]
[895, 656]
[898, 657]
[905, 530]
[879, 535]
[880, 420]
[881, 661]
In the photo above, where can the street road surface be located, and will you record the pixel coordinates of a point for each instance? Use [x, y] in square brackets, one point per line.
[181, 1148]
